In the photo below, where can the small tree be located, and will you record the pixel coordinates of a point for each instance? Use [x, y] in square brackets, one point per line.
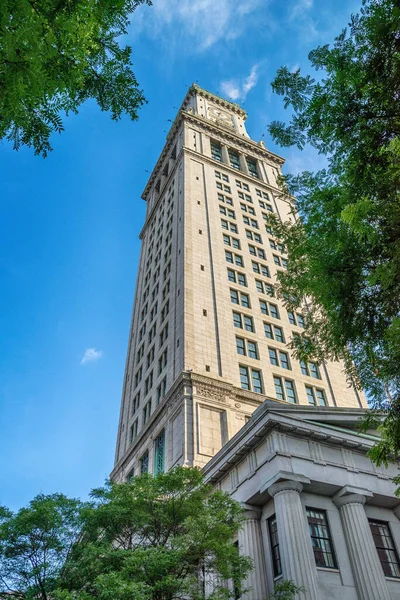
[34, 544]
[158, 538]
[56, 55]
[285, 590]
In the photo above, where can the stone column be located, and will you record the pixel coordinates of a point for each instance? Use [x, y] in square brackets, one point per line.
[225, 155]
[243, 164]
[250, 544]
[298, 563]
[367, 571]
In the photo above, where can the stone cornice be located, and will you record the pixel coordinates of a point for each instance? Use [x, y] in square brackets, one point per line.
[197, 90]
[263, 421]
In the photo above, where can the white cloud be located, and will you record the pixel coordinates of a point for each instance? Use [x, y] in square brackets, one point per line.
[91, 354]
[197, 24]
[236, 89]
[299, 8]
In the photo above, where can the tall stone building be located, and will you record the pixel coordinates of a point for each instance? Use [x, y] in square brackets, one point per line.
[210, 381]
[208, 336]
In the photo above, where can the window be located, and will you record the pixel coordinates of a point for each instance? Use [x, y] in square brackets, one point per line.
[231, 241]
[133, 431]
[161, 389]
[150, 358]
[315, 396]
[250, 379]
[229, 226]
[277, 260]
[273, 332]
[252, 235]
[252, 166]
[240, 298]
[225, 199]
[159, 453]
[146, 412]
[247, 348]
[256, 251]
[228, 212]
[234, 159]
[234, 258]
[135, 403]
[260, 269]
[243, 322]
[162, 362]
[148, 383]
[236, 277]
[321, 538]
[296, 319]
[276, 557]
[311, 369]
[144, 463]
[285, 389]
[163, 335]
[268, 308]
[216, 151]
[265, 288]
[385, 547]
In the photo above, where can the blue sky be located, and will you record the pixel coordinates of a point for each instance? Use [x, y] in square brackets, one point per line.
[69, 228]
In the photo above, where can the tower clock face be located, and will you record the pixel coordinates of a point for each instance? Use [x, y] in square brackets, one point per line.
[219, 115]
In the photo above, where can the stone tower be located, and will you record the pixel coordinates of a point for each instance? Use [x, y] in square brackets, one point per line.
[208, 335]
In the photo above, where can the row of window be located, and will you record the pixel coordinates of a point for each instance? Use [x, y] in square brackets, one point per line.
[234, 159]
[322, 543]
[267, 308]
[146, 412]
[285, 389]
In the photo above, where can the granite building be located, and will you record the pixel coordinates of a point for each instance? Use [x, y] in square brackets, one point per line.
[210, 381]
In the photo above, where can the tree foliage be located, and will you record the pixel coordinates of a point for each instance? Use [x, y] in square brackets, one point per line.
[54, 55]
[157, 538]
[345, 251]
[34, 544]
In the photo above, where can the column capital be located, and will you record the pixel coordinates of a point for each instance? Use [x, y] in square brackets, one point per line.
[349, 499]
[251, 512]
[396, 512]
[285, 486]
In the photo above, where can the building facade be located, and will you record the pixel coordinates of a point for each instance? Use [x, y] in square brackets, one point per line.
[208, 335]
[209, 379]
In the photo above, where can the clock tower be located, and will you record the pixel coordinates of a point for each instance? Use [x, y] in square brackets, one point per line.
[209, 337]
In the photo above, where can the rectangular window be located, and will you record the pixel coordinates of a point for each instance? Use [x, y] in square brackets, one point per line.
[159, 453]
[248, 323]
[273, 357]
[216, 151]
[252, 166]
[314, 370]
[321, 538]
[268, 331]
[133, 432]
[385, 547]
[291, 317]
[290, 391]
[240, 346]
[285, 389]
[276, 557]
[284, 360]
[146, 412]
[321, 397]
[234, 159]
[144, 463]
[250, 379]
[252, 349]
[273, 310]
[237, 320]
[310, 395]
